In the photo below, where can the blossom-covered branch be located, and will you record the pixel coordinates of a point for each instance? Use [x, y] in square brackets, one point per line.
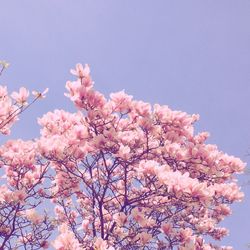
[22, 180]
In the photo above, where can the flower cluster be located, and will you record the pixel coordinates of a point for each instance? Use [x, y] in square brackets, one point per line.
[134, 176]
[121, 174]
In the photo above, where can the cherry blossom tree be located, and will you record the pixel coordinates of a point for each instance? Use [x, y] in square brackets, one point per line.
[131, 176]
[120, 174]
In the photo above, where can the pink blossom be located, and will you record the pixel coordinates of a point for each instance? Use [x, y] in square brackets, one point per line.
[80, 71]
[85, 224]
[33, 216]
[167, 228]
[21, 96]
[121, 101]
[100, 244]
[66, 240]
[40, 94]
[144, 237]
[124, 152]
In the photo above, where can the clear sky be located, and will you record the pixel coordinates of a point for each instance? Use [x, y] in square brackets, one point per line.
[191, 55]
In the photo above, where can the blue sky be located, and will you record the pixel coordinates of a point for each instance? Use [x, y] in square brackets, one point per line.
[191, 55]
